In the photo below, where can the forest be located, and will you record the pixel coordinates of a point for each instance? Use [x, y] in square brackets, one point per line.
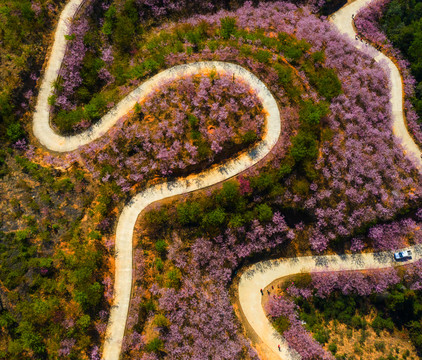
[402, 23]
[336, 181]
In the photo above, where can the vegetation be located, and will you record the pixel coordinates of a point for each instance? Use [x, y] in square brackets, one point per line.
[393, 311]
[106, 72]
[52, 266]
[372, 314]
[55, 246]
[402, 23]
[23, 26]
[209, 235]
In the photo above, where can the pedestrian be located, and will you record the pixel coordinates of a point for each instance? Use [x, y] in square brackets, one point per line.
[272, 287]
[262, 293]
[279, 347]
[356, 37]
[353, 16]
[268, 291]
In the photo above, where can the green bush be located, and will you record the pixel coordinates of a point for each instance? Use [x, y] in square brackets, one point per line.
[263, 56]
[155, 345]
[228, 27]
[285, 74]
[379, 324]
[304, 147]
[301, 186]
[357, 322]
[284, 170]
[148, 306]
[249, 137]
[318, 57]
[156, 218]
[189, 213]
[93, 110]
[281, 324]
[64, 185]
[215, 218]
[30, 339]
[15, 132]
[161, 321]
[263, 182]
[264, 213]
[193, 121]
[123, 33]
[159, 264]
[332, 347]
[174, 277]
[311, 113]
[322, 336]
[84, 322]
[66, 120]
[327, 83]
[236, 221]
[229, 196]
[161, 247]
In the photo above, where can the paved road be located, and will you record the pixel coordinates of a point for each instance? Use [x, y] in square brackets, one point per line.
[127, 219]
[264, 273]
[342, 19]
[129, 215]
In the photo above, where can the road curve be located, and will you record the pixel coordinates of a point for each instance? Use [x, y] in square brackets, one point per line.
[260, 274]
[218, 173]
[264, 273]
[342, 19]
[125, 226]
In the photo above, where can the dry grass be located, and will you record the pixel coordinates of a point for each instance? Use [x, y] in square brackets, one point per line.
[366, 344]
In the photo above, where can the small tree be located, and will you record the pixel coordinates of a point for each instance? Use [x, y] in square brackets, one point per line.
[189, 213]
[215, 218]
[161, 247]
[264, 212]
[228, 27]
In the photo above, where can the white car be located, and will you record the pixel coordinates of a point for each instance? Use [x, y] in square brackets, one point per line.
[403, 255]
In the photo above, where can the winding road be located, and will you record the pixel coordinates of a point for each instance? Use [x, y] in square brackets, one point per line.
[264, 273]
[126, 223]
[260, 274]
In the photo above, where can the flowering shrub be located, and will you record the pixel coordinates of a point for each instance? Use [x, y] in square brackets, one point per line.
[185, 124]
[360, 287]
[396, 235]
[357, 147]
[296, 336]
[106, 80]
[355, 282]
[69, 75]
[367, 24]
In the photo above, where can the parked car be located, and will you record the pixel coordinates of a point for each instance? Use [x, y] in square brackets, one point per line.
[403, 255]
